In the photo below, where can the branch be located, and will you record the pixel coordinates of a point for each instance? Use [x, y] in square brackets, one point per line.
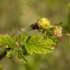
[42, 25]
[23, 30]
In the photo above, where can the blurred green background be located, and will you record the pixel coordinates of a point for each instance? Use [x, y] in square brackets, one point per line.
[21, 13]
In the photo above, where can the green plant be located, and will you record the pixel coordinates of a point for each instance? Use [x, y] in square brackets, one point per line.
[24, 45]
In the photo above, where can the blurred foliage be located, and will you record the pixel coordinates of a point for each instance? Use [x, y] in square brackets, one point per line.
[20, 13]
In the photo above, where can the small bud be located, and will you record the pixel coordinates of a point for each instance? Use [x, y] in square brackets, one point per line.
[5, 34]
[17, 44]
[57, 31]
[43, 23]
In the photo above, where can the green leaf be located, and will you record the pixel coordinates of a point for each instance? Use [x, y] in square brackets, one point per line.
[37, 44]
[51, 40]
[9, 53]
[7, 40]
[23, 39]
[20, 54]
